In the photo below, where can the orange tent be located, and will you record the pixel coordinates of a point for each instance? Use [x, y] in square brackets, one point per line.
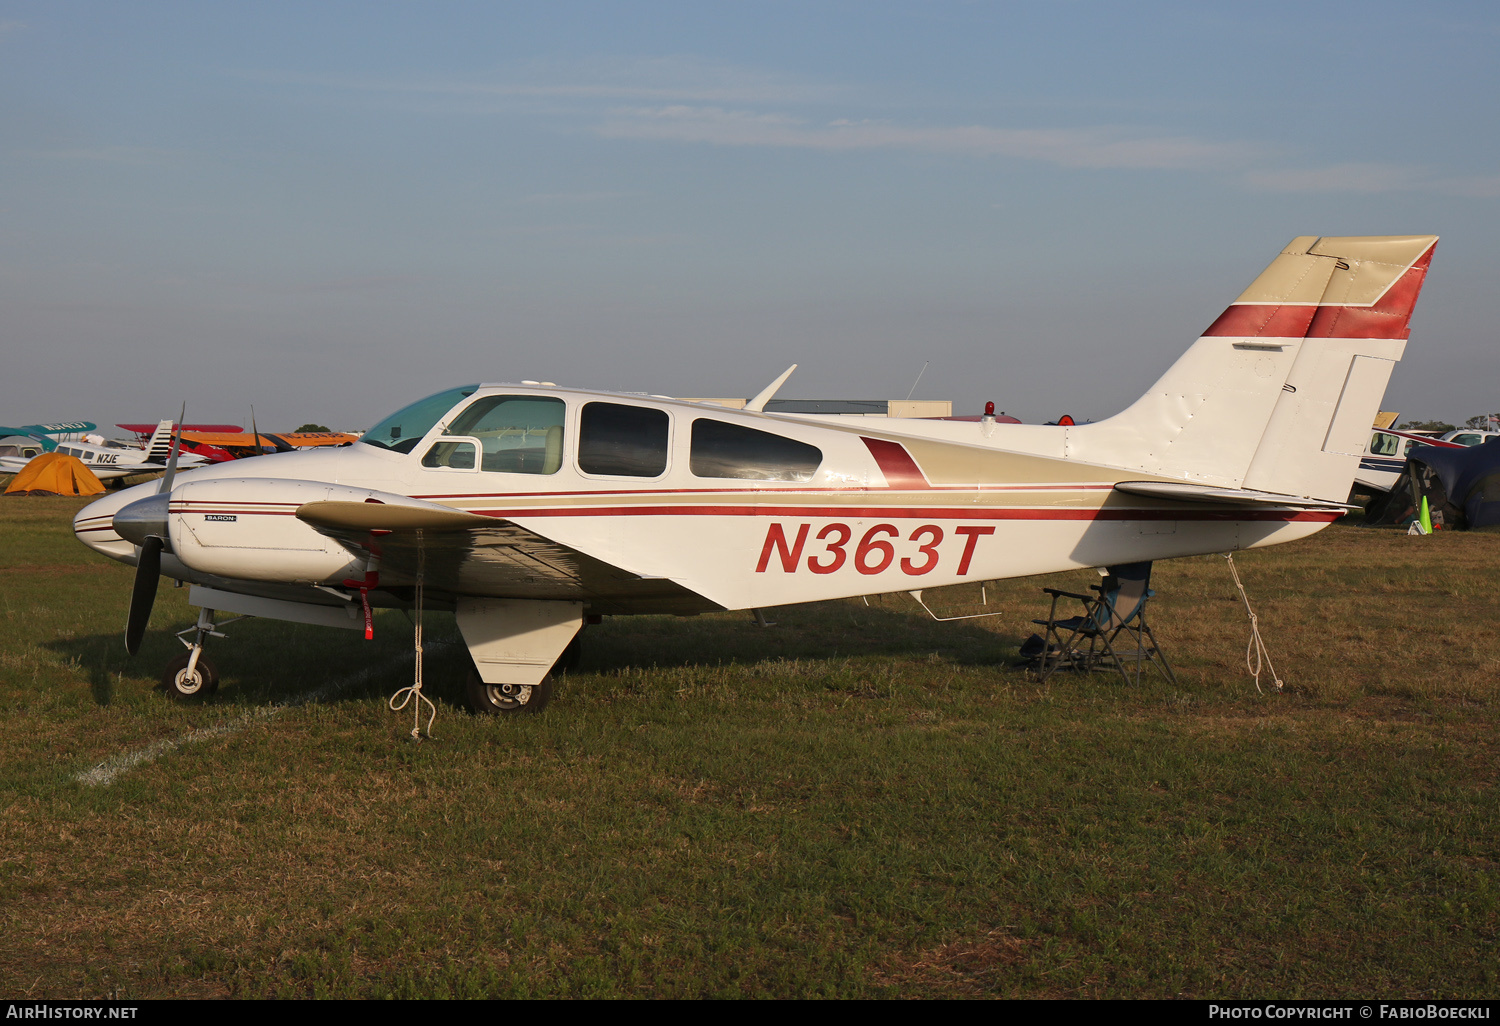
[52, 473]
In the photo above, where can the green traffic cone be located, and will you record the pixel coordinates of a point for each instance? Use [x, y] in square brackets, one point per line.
[1426, 517]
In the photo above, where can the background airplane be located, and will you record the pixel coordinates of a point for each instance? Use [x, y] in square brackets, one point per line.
[108, 462]
[238, 444]
[1384, 457]
[41, 433]
[207, 453]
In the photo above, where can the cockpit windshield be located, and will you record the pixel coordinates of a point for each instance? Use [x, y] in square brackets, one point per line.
[402, 430]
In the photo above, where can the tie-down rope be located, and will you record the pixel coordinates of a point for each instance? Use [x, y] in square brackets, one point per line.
[1255, 651]
[415, 690]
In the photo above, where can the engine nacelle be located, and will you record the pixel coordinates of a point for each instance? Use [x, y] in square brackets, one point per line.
[247, 528]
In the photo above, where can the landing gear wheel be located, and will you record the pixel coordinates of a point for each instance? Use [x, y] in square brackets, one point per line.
[568, 661]
[203, 682]
[507, 699]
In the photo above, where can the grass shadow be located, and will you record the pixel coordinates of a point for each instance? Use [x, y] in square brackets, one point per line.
[270, 662]
[275, 662]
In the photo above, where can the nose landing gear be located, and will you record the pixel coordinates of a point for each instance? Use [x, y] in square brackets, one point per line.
[188, 680]
[191, 677]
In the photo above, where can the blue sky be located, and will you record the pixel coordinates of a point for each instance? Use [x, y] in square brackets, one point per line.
[329, 209]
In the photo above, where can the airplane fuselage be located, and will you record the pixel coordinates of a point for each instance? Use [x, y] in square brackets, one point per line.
[875, 511]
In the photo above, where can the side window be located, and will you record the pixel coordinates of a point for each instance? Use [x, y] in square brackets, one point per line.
[624, 441]
[720, 449]
[1382, 444]
[520, 434]
[450, 455]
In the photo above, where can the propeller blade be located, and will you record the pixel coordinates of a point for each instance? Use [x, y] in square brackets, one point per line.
[166, 479]
[143, 595]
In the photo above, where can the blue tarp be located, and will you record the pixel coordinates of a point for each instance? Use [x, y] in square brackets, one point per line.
[1464, 481]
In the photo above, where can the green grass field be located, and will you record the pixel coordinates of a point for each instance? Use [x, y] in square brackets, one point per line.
[857, 802]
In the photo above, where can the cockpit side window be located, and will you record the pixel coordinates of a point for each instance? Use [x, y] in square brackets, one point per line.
[402, 430]
[1382, 444]
[622, 441]
[521, 434]
[721, 449]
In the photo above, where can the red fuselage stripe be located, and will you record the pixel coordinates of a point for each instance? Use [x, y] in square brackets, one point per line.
[919, 513]
[870, 512]
[900, 470]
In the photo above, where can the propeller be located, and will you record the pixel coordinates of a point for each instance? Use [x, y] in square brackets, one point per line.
[143, 595]
[148, 561]
[166, 479]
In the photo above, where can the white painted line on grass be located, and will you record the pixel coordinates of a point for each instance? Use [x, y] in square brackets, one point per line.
[109, 769]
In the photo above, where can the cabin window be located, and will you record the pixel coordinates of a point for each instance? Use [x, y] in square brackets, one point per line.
[450, 455]
[1382, 444]
[622, 441]
[402, 430]
[521, 434]
[720, 449]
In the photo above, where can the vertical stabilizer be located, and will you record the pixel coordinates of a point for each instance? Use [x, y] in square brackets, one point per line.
[1280, 392]
[1354, 334]
[159, 448]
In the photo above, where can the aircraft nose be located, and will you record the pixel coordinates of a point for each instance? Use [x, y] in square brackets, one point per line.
[143, 518]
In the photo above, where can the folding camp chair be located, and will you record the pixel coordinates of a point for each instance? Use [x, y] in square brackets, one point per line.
[1111, 632]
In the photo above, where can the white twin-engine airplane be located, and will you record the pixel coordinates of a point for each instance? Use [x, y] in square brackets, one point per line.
[530, 509]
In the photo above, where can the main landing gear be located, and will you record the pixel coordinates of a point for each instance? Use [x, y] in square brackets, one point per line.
[191, 677]
[498, 699]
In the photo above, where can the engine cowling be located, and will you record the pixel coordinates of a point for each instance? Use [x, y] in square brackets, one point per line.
[248, 528]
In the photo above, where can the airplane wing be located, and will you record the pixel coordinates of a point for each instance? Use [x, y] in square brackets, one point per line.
[146, 429]
[1187, 492]
[470, 554]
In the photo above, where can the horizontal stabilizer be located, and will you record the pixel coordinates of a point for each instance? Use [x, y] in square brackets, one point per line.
[1186, 492]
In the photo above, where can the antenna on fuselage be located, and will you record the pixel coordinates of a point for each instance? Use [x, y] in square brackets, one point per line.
[758, 404]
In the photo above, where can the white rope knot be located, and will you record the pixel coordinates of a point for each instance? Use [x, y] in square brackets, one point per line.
[406, 695]
[1255, 651]
[413, 695]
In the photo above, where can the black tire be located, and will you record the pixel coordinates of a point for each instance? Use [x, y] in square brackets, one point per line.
[204, 682]
[568, 661]
[507, 699]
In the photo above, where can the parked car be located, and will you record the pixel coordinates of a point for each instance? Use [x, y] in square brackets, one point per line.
[1470, 436]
